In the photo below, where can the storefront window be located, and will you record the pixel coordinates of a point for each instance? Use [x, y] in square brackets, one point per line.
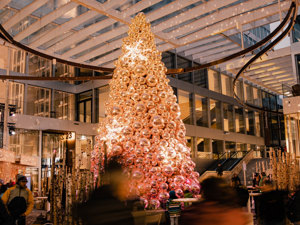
[24, 142]
[215, 114]
[103, 94]
[201, 111]
[214, 81]
[226, 85]
[64, 105]
[228, 117]
[239, 120]
[38, 101]
[185, 103]
[84, 147]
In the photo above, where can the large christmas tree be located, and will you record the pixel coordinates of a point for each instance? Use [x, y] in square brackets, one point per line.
[143, 125]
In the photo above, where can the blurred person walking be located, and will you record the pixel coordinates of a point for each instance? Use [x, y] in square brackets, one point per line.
[294, 207]
[173, 208]
[18, 201]
[106, 205]
[218, 207]
[271, 205]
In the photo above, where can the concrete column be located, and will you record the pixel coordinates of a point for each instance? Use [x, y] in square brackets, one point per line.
[6, 110]
[40, 162]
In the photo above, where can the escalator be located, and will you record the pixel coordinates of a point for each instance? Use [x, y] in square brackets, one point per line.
[227, 160]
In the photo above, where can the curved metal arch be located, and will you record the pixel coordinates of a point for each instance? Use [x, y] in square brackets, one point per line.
[261, 53]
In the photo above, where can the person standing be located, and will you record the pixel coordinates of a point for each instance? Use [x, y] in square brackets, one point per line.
[220, 170]
[18, 201]
[174, 208]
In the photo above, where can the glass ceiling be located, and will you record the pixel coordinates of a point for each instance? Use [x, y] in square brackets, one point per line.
[82, 33]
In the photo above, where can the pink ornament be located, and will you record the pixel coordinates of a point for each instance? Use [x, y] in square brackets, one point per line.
[163, 196]
[168, 171]
[154, 203]
[164, 186]
[179, 193]
[137, 175]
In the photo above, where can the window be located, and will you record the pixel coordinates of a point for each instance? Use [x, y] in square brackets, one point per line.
[203, 148]
[249, 122]
[168, 59]
[239, 90]
[185, 103]
[296, 30]
[230, 148]
[18, 61]
[214, 81]
[16, 96]
[200, 78]
[64, 105]
[258, 124]
[84, 105]
[239, 120]
[201, 111]
[103, 94]
[189, 143]
[38, 101]
[228, 117]
[257, 97]
[184, 63]
[248, 95]
[24, 142]
[265, 100]
[226, 85]
[39, 66]
[217, 146]
[215, 114]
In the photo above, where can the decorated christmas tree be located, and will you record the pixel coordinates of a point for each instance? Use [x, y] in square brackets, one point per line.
[142, 125]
